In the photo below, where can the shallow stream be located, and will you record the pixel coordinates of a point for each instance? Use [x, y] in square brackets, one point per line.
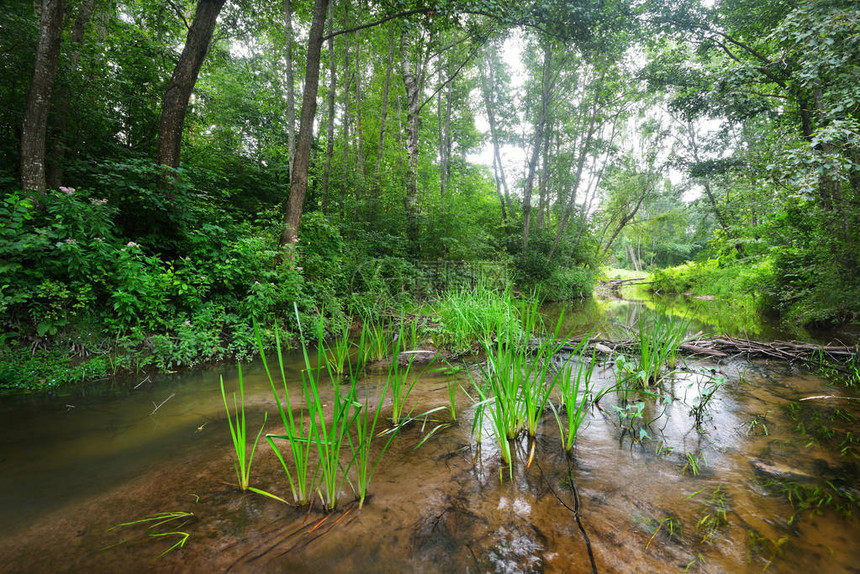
[767, 482]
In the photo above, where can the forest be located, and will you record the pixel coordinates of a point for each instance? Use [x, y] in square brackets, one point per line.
[172, 170]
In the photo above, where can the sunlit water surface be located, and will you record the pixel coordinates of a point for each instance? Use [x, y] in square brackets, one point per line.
[655, 493]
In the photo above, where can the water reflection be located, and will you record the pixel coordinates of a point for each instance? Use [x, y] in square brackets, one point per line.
[617, 318]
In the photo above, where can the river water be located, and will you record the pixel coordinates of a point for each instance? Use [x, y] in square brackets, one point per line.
[766, 482]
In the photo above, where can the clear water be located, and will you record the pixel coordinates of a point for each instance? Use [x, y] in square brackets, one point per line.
[72, 467]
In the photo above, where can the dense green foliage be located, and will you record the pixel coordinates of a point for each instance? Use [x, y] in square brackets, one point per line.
[651, 136]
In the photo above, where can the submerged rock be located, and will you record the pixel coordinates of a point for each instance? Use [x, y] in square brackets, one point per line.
[781, 472]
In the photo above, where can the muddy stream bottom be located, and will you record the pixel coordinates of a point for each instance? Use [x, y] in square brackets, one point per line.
[768, 482]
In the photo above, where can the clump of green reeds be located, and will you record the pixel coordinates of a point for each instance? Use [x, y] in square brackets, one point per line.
[337, 349]
[365, 431]
[469, 316]
[238, 433]
[658, 342]
[400, 381]
[517, 377]
[298, 431]
[329, 434]
[575, 386]
[452, 396]
[374, 342]
[337, 432]
[713, 514]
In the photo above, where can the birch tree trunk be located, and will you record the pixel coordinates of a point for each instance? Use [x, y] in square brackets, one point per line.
[487, 83]
[536, 148]
[446, 139]
[359, 130]
[412, 82]
[441, 129]
[543, 182]
[380, 148]
[628, 217]
[347, 81]
[585, 146]
[34, 130]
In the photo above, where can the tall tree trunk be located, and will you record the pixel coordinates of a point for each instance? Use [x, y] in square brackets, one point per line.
[622, 223]
[446, 139]
[441, 129]
[332, 84]
[632, 256]
[60, 125]
[706, 184]
[299, 183]
[291, 88]
[594, 182]
[380, 148]
[487, 84]
[496, 175]
[359, 130]
[182, 82]
[539, 129]
[34, 130]
[412, 82]
[543, 182]
[585, 146]
[347, 80]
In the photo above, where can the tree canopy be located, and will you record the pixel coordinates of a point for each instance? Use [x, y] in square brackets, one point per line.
[236, 156]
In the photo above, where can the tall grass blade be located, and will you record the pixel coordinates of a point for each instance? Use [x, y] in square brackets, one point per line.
[297, 430]
[238, 433]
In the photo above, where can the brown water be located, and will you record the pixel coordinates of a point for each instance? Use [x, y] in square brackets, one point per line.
[73, 467]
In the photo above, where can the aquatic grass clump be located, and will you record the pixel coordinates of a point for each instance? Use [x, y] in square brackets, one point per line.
[657, 342]
[574, 403]
[517, 377]
[815, 497]
[451, 385]
[365, 431]
[469, 316]
[400, 378]
[238, 433]
[328, 435]
[713, 513]
[337, 349]
[298, 431]
[693, 462]
[374, 342]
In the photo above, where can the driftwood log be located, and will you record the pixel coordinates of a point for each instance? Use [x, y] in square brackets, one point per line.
[614, 285]
[834, 356]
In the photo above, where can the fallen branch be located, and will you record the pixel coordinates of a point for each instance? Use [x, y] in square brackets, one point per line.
[831, 356]
[830, 397]
[162, 404]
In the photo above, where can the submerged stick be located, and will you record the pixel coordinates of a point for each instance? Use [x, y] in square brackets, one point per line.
[162, 403]
[830, 397]
[574, 510]
[141, 382]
